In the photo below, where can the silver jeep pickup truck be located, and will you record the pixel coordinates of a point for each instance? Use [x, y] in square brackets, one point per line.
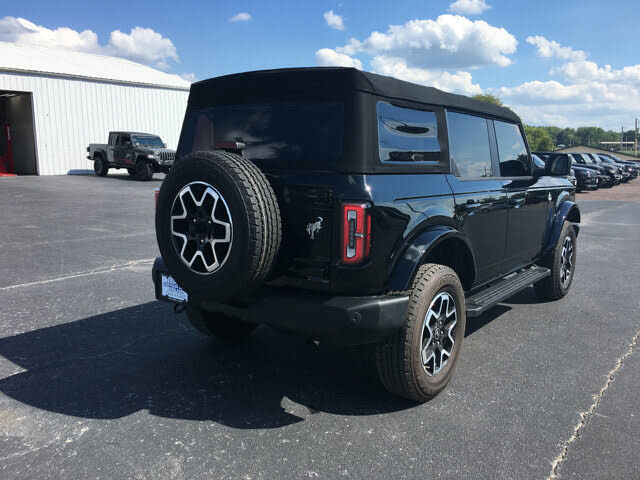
[142, 154]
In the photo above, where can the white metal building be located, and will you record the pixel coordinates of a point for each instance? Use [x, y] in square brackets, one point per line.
[57, 102]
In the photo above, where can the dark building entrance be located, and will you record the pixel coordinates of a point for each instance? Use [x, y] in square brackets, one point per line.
[17, 133]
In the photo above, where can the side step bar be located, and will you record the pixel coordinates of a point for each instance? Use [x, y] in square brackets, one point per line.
[480, 302]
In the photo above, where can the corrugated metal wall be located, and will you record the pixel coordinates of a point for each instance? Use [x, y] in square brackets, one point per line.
[69, 114]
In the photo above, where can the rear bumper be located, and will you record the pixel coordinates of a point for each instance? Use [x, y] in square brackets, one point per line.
[344, 320]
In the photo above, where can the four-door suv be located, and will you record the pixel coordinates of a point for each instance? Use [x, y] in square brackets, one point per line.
[142, 154]
[356, 208]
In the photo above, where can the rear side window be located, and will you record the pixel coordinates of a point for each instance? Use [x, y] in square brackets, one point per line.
[406, 135]
[277, 135]
[514, 159]
[469, 145]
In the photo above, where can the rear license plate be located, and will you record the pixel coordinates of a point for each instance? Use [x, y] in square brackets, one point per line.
[171, 290]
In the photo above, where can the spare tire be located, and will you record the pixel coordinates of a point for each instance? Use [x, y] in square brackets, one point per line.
[218, 225]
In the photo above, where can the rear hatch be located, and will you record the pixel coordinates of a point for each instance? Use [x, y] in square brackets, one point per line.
[297, 144]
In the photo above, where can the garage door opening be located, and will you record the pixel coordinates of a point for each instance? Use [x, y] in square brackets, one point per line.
[17, 135]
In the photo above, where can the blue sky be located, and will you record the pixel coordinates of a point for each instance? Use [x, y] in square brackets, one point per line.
[568, 63]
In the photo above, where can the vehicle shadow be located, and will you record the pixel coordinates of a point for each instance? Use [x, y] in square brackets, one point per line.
[128, 178]
[146, 358]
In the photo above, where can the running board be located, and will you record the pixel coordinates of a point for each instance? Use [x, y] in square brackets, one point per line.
[480, 302]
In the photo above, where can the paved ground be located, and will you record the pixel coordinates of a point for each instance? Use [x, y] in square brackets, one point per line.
[98, 380]
[625, 192]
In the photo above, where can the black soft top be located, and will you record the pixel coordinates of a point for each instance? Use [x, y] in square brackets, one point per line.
[328, 82]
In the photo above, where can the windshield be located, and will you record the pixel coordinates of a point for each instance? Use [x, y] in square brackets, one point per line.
[277, 135]
[147, 141]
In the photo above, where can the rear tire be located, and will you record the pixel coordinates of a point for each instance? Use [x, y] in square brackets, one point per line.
[143, 171]
[244, 251]
[100, 167]
[411, 363]
[219, 325]
[562, 263]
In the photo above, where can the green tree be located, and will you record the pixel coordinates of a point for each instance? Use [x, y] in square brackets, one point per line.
[539, 139]
[554, 132]
[590, 135]
[487, 97]
[566, 137]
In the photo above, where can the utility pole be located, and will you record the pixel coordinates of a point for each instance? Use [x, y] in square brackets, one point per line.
[635, 140]
[621, 138]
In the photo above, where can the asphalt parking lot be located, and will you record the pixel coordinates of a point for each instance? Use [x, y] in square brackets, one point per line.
[99, 380]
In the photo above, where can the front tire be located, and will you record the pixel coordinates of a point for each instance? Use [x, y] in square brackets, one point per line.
[419, 360]
[143, 171]
[218, 325]
[562, 262]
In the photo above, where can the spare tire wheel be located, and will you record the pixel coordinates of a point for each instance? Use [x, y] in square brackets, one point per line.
[218, 225]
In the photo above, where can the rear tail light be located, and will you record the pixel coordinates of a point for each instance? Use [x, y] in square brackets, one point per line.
[156, 192]
[356, 233]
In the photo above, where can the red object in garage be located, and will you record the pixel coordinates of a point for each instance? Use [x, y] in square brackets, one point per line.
[6, 160]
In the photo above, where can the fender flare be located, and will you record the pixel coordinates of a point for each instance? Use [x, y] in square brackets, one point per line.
[414, 253]
[566, 209]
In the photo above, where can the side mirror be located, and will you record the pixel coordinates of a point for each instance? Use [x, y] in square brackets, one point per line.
[559, 166]
[127, 144]
[164, 145]
[539, 168]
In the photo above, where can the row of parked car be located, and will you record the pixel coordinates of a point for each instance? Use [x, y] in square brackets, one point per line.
[591, 171]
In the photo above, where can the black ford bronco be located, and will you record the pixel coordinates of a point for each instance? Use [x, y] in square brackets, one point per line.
[358, 209]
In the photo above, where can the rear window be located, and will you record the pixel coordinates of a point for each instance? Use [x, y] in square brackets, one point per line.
[277, 135]
[407, 135]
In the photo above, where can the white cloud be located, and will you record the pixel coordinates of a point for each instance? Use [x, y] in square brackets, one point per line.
[588, 71]
[241, 17]
[586, 93]
[550, 48]
[326, 57]
[142, 45]
[450, 41]
[334, 20]
[457, 82]
[589, 103]
[20, 30]
[469, 7]
[189, 77]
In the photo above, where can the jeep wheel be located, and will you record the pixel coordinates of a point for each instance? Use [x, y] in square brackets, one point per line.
[562, 262]
[218, 225]
[100, 166]
[219, 325]
[143, 171]
[418, 361]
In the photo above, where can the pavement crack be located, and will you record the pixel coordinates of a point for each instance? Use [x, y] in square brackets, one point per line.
[86, 273]
[587, 414]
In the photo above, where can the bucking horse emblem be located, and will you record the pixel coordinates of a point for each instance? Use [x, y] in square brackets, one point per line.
[314, 227]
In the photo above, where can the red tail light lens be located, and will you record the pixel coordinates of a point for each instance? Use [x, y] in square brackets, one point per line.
[356, 233]
[156, 192]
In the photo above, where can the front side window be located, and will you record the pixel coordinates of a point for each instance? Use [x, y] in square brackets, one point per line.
[514, 159]
[469, 145]
[277, 135]
[406, 135]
